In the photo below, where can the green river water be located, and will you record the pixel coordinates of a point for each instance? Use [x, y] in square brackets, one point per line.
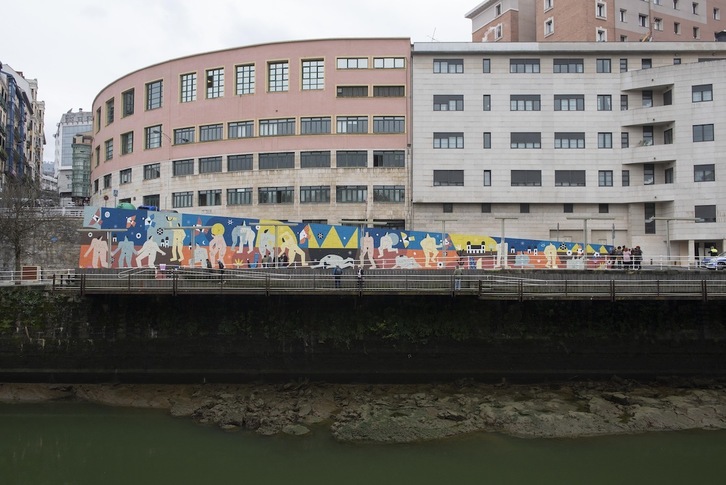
[75, 443]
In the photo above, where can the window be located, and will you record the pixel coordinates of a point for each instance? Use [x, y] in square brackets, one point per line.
[717, 14]
[487, 102]
[124, 176]
[498, 32]
[313, 74]
[98, 155]
[389, 91]
[677, 28]
[389, 158]
[623, 65]
[278, 76]
[601, 35]
[316, 159]
[604, 140]
[625, 178]
[569, 178]
[694, 8]
[151, 200]
[486, 208]
[498, 10]
[352, 63]
[657, 24]
[704, 173]
[272, 161]
[351, 158]
[702, 93]
[389, 124]
[668, 136]
[526, 178]
[351, 193]
[211, 132]
[570, 140]
[524, 102]
[707, 213]
[351, 124]
[603, 65]
[389, 194]
[605, 178]
[647, 136]
[526, 140]
[696, 32]
[487, 178]
[568, 208]
[240, 129]
[676, 61]
[95, 186]
[108, 149]
[623, 102]
[109, 111]
[215, 83]
[646, 63]
[182, 199]
[569, 102]
[352, 91]
[276, 195]
[601, 10]
[668, 98]
[278, 127]
[448, 102]
[127, 143]
[184, 135]
[107, 181]
[624, 139]
[549, 26]
[210, 165]
[642, 20]
[153, 95]
[668, 173]
[649, 213]
[448, 66]
[568, 66]
[240, 196]
[188, 87]
[548, 4]
[648, 174]
[447, 208]
[702, 133]
[520, 66]
[389, 62]
[314, 194]
[245, 79]
[623, 15]
[128, 102]
[152, 171]
[210, 197]
[487, 142]
[647, 97]
[603, 208]
[524, 208]
[238, 163]
[152, 136]
[448, 178]
[315, 126]
[604, 102]
[449, 140]
[182, 167]
[486, 66]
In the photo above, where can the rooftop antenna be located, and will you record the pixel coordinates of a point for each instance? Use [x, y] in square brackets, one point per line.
[432, 36]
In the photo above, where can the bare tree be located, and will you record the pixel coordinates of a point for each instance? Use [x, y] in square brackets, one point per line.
[20, 215]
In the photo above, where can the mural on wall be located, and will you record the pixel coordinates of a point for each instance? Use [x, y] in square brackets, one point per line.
[134, 238]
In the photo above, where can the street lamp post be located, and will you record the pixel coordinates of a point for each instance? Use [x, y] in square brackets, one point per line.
[503, 243]
[584, 220]
[668, 229]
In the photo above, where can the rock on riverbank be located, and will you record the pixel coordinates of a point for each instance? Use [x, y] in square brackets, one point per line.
[409, 413]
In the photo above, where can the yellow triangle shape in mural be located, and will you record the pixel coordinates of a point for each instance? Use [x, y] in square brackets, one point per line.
[313, 242]
[332, 240]
[353, 243]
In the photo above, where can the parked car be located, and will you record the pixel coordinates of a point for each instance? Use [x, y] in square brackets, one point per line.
[714, 262]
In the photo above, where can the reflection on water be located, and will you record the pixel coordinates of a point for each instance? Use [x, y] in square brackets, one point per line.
[86, 444]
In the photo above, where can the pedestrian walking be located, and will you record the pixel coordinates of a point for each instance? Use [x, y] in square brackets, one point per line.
[457, 277]
[360, 277]
[336, 275]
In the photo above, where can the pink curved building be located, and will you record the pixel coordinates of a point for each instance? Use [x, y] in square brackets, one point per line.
[313, 130]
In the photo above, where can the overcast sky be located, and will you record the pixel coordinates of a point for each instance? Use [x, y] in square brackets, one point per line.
[74, 48]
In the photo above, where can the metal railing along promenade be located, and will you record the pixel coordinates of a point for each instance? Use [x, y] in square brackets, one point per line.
[483, 284]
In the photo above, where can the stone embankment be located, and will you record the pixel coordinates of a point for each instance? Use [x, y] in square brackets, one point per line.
[411, 413]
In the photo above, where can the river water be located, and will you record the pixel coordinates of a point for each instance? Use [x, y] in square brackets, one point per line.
[78, 443]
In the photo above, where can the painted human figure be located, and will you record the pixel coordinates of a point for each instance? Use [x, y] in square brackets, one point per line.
[149, 250]
[99, 253]
[288, 242]
[367, 248]
[217, 246]
[177, 244]
[127, 250]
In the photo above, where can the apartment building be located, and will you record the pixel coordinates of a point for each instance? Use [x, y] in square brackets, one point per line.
[620, 142]
[597, 20]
